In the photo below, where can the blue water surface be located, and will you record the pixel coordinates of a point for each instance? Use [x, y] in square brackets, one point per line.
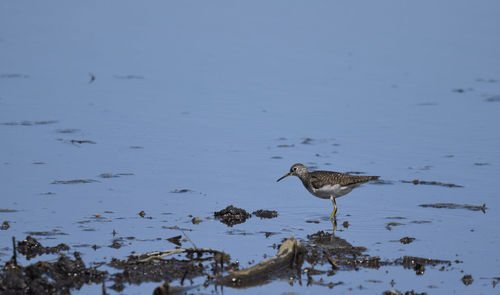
[222, 97]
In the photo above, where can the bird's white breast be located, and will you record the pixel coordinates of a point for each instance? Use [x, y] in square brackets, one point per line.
[327, 191]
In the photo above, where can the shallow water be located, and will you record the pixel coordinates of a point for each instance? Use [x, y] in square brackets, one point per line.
[222, 98]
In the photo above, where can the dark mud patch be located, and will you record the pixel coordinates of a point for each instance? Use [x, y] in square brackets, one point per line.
[456, 206]
[424, 182]
[390, 225]
[495, 98]
[265, 213]
[406, 240]
[76, 142]
[467, 280]
[48, 194]
[67, 131]
[8, 210]
[13, 75]
[52, 233]
[5, 225]
[176, 240]
[114, 175]
[396, 292]
[307, 140]
[29, 123]
[30, 248]
[232, 215]
[154, 267]
[276, 157]
[44, 277]
[381, 181]
[128, 77]
[181, 191]
[74, 181]
[181, 266]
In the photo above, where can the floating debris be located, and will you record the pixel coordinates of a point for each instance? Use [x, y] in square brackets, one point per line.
[396, 292]
[456, 206]
[54, 232]
[467, 280]
[13, 75]
[232, 215]
[67, 131]
[111, 175]
[74, 181]
[29, 123]
[265, 213]
[416, 181]
[495, 98]
[196, 220]
[128, 77]
[5, 225]
[391, 224]
[142, 214]
[406, 240]
[181, 191]
[307, 140]
[176, 240]
[8, 210]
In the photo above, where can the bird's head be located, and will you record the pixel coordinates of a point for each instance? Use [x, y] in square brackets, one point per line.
[296, 170]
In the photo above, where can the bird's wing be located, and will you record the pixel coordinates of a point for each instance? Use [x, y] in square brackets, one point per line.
[321, 178]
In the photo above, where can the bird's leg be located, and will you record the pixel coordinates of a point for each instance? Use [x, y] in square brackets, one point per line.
[334, 208]
[334, 224]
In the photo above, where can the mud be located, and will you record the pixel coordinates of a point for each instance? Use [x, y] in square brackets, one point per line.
[177, 269]
[456, 206]
[265, 213]
[417, 181]
[232, 215]
[30, 248]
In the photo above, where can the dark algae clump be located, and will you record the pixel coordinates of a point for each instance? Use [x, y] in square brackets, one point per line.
[232, 215]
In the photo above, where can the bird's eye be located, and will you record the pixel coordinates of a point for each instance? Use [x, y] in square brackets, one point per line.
[294, 168]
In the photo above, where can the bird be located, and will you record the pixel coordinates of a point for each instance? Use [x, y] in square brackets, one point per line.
[327, 184]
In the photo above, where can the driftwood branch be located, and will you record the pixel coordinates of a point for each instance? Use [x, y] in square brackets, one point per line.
[289, 255]
[161, 254]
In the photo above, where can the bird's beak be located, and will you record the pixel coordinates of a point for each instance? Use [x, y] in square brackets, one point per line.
[286, 175]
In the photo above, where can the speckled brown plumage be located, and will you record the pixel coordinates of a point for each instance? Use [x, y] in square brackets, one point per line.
[322, 178]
